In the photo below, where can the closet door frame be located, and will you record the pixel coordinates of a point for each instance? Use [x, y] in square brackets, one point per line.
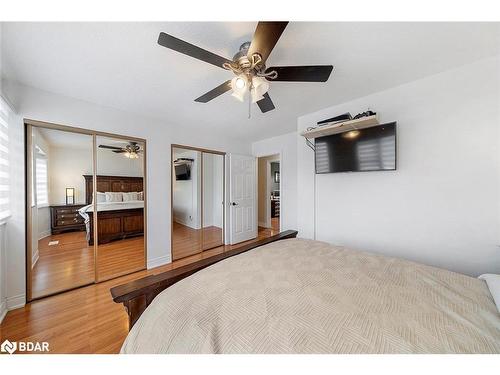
[201, 150]
[29, 124]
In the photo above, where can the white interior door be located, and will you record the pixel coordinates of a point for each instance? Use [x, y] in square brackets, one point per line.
[242, 197]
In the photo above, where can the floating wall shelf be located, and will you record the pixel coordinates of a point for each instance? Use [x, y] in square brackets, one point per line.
[360, 123]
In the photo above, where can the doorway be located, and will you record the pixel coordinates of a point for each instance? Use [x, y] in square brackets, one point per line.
[269, 197]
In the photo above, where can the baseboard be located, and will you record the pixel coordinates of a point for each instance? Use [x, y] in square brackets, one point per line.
[3, 310]
[44, 234]
[186, 224]
[16, 302]
[34, 259]
[159, 261]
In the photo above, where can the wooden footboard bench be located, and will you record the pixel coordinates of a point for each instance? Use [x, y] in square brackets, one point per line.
[138, 294]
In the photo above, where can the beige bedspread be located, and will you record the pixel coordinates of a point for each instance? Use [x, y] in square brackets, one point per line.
[302, 296]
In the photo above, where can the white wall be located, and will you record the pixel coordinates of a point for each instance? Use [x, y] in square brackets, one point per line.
[286, 146]
[113, 164]
[441, 206]
[212, 189]
[66, 169]
[3, 290]
[187, 193]
[67, 165]
[40, 105]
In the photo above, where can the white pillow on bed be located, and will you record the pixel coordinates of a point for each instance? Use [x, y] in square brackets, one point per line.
[132, 196]
[101, 198]
[114, 197]
[140, 196]
[493, 282]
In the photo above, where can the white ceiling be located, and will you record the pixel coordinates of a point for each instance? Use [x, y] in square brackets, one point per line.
[120, 65]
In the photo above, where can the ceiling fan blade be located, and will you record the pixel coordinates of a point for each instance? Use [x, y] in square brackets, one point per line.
[313, 73]
[266, 104]
[110, 147]
[265, 37]
[212, 94]
[186, 48]
[119, 151]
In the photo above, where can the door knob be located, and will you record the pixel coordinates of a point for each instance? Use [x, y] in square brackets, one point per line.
[234, 204]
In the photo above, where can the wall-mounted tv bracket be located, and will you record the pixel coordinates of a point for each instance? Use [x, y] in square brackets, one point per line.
[183, 161]
[310, 144]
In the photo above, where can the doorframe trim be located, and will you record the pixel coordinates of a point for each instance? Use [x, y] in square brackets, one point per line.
[279, 153]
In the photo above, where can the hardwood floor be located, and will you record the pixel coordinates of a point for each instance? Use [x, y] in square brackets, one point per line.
[70, 263]
[66, 265]
[188, 241]
[275, 224]
[120, 257]
[86, 320]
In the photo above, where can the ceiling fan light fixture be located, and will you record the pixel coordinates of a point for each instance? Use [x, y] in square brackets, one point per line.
[239, 87]
[259, 88]
[240, 83]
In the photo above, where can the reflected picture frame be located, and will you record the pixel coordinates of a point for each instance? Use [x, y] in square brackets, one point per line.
[70, 195]
[276, 177]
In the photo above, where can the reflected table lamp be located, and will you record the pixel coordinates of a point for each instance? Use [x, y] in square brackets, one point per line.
[70, 195]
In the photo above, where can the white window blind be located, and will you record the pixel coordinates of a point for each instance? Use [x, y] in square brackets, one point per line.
[42, 191]
[4, 160]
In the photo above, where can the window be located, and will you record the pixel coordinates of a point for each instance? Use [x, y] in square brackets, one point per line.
[4, 160]
[42, 190]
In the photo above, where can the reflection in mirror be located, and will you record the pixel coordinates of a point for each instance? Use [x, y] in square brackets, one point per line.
[197, 201]
[120, 205]
[186, 202]
[61, 258]
[213, 197]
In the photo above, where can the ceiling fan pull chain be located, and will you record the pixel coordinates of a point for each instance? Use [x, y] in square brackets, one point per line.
[250, 98]
[249, 105]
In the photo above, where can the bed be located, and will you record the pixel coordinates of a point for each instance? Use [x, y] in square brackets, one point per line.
[302, 296]
[117, 220]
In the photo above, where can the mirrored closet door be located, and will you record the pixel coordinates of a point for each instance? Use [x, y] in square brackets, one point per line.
[197, 201]
[85, 210]
[213, 200]
[62, 257]
[119, 229]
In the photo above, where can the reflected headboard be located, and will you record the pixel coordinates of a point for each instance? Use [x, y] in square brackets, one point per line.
[123, 184]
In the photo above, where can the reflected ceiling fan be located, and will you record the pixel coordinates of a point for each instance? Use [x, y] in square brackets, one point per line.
[131, 151]
[249, 66]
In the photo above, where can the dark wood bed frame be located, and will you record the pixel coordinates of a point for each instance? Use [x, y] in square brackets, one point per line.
[138, 294]
[116, 224]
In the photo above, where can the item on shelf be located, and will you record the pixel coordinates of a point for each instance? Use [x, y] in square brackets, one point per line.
[336, 119]
[365, 114]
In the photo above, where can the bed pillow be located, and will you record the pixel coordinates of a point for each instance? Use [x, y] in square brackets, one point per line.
[114, 197]
[132, 196]
[101, 197]
[493, 282]
[140, 196]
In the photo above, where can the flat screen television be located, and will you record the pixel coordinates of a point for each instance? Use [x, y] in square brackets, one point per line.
[182, 172]
[370, 149]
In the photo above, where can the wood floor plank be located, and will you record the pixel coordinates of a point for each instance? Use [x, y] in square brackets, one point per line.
[70, 263]
[86, 320]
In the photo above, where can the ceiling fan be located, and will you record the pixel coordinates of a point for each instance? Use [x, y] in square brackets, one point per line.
[249, 66]
[131, 151]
